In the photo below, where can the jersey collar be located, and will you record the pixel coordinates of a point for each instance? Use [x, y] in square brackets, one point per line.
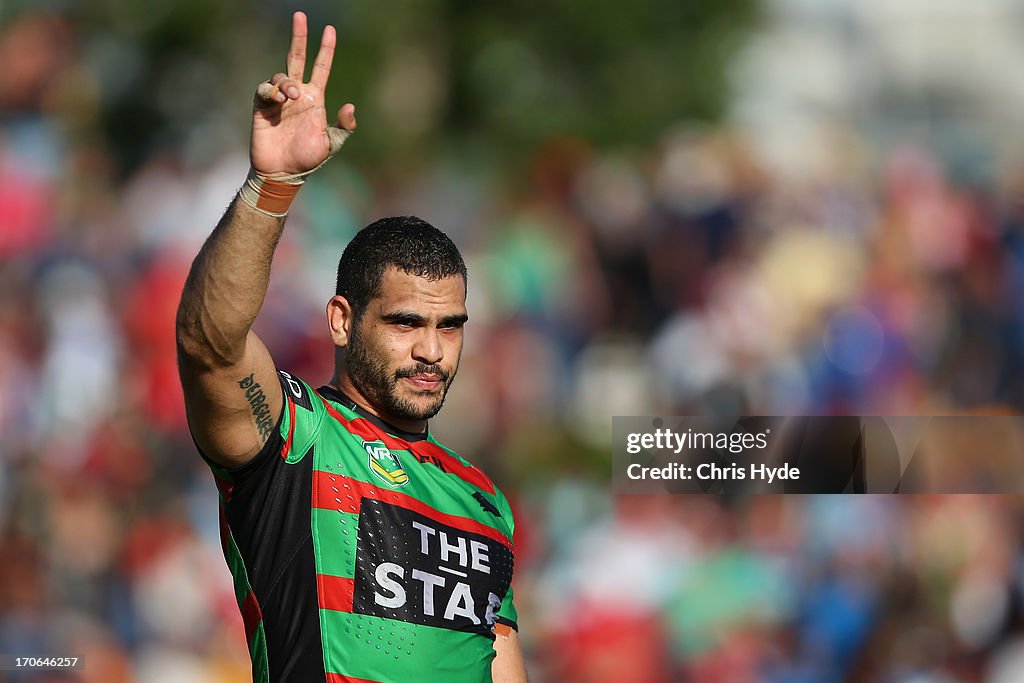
[333, 394]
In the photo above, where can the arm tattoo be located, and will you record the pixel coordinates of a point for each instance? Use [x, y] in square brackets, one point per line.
[258, 402]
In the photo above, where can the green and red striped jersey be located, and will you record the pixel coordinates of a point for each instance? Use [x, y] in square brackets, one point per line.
[363, 553]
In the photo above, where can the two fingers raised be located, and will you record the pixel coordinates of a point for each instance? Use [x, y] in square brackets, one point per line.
[297, 52]
[284, 86]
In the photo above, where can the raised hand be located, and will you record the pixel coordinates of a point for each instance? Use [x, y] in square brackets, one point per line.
[289, 117]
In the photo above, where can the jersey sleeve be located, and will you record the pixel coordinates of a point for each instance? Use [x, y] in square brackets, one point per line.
[301, 418]
[507, 615]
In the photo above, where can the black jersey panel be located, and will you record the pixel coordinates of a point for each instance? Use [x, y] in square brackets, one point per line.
[269, 517]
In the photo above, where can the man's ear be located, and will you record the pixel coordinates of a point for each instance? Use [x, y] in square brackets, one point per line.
[340, 320]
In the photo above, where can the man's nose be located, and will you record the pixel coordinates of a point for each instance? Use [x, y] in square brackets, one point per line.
[427, 348]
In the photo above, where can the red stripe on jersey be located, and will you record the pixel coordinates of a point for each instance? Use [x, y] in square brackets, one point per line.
[367, 430]
[338, 678]
[225, 487]
[251, 616]
[467, 473]
[337, 492]
[335, 592]
[291, 427]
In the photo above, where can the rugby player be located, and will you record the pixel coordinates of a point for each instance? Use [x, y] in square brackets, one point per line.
[361, 548]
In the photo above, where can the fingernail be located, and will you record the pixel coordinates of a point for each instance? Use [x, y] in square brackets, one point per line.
[293, 92]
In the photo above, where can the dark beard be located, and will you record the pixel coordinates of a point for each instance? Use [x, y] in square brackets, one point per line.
[370, 376]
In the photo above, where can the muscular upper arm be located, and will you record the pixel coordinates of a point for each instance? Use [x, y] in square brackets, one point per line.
[508, 665]
[233, 409]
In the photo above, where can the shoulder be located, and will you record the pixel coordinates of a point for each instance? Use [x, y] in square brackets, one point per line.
[453, 463]
[491, 498]
[504, 507]
[303, 417]
[296, 390]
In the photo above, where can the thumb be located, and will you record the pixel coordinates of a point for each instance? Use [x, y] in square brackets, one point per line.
[338, 132]
[347, 117]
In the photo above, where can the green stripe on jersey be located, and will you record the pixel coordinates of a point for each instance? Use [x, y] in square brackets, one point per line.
[391, 651]
[339, 530]
[258, 654]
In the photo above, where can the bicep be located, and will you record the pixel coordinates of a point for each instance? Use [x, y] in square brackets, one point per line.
[233, 410]
[508, 665]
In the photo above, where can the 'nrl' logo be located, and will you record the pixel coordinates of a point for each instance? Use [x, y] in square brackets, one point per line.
[385, 464]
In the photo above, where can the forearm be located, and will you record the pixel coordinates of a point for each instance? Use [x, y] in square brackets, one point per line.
[226, 286]
[508, 665]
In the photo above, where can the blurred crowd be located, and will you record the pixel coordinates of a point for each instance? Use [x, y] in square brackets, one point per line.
[680, 277]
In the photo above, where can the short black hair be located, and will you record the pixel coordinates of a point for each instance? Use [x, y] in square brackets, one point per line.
[408, 243]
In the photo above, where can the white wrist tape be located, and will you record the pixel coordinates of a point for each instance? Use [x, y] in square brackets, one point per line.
[273, 196]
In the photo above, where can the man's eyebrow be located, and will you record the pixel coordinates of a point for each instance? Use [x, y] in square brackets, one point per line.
[411, 318]
[457, 319]
[404, 318]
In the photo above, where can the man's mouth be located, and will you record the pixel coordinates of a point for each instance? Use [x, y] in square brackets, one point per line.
[426, 381]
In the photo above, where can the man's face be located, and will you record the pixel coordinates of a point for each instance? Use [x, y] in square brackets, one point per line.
[403, 351]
